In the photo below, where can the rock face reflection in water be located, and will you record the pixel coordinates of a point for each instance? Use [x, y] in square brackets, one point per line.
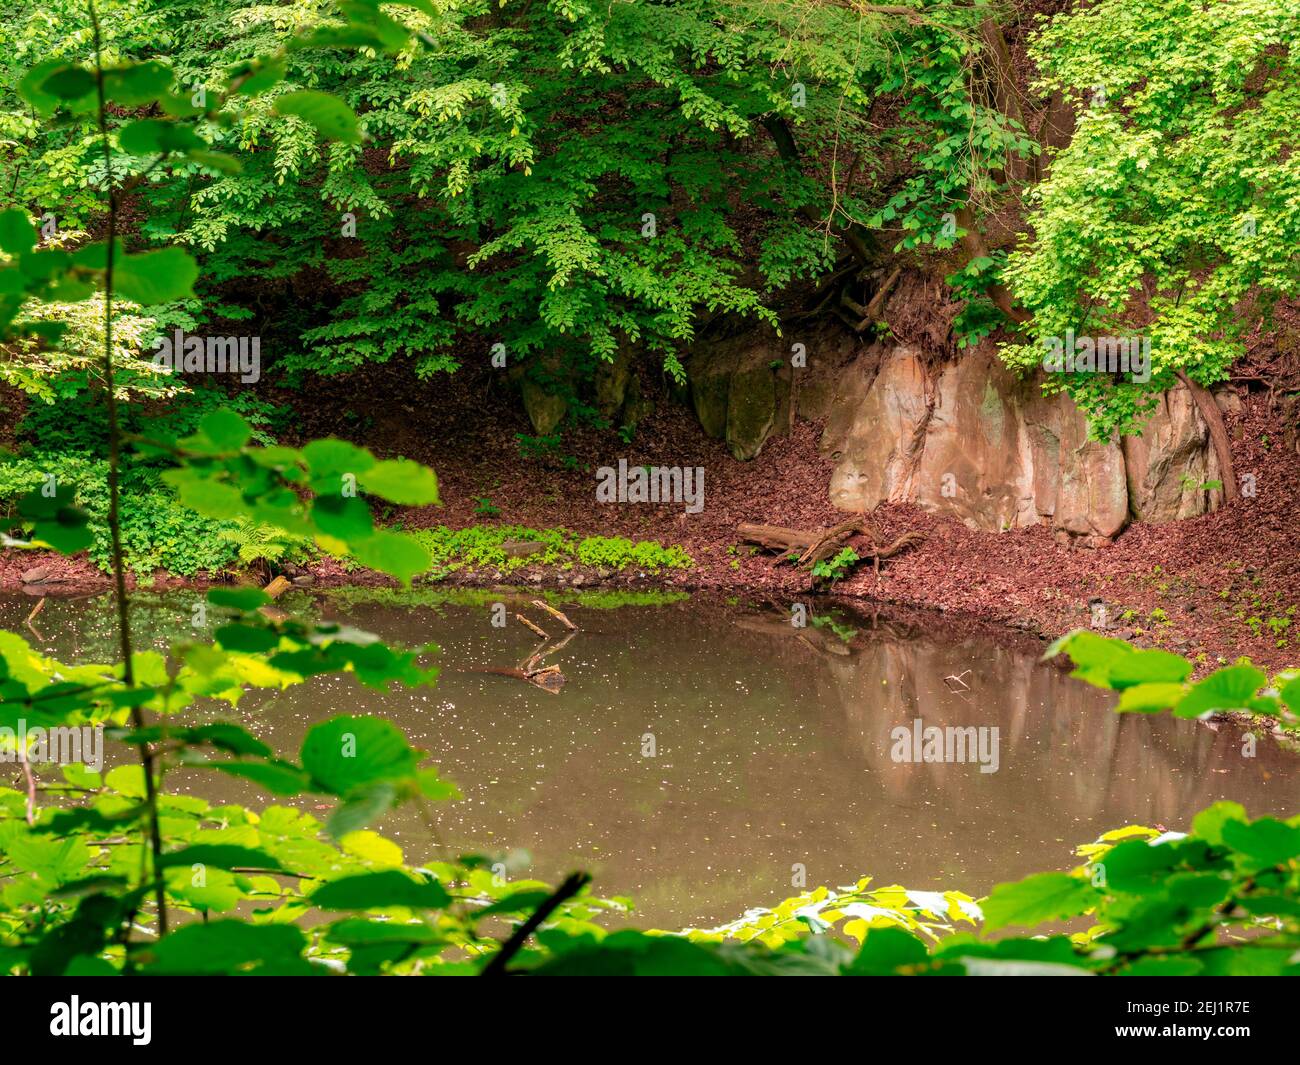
[771, 748]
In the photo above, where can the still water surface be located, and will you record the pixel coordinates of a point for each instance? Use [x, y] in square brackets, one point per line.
[771, 747]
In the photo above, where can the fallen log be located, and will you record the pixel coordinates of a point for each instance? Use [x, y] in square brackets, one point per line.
[277, 587]
[815, 545]
[775, 537]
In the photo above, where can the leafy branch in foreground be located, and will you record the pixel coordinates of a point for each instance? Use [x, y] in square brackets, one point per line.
[1150, 681]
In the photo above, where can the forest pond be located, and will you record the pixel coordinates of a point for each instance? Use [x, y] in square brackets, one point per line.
[699, 753]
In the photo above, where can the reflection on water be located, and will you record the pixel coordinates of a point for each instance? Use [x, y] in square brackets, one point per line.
[771, 748]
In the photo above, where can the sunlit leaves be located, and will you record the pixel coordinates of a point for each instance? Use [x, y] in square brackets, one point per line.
[401, 481]
[1036, 899]
[229, 946]
[226, 478]
[346, 752]
[1231, 688]
[369, 891]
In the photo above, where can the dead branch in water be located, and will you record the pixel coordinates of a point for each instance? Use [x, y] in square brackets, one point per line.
[541, 604]
[536, 628]
[548, 678]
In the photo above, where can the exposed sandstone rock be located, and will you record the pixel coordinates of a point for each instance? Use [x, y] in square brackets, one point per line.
[976, 442]
[737, 393]
[1092, 502]
[880, 448]
[966, 438]
[1171, 461]
[610, 383]
[976, 460]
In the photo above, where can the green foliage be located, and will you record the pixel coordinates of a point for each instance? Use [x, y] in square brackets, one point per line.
[837, 567]
[1177, 195]
[978, 316]
[66, 442]
[559, 179]
[482, 547]
[262, 544]
[1152, 681]
[615, 552]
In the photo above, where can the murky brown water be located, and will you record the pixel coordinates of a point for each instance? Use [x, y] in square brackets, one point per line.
[771, 748]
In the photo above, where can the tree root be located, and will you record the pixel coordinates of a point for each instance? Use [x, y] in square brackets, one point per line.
[817, 545]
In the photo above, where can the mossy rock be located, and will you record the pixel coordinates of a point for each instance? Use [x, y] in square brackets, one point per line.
[611, 383]
[751, 410]
[545, 410]
[709, 395]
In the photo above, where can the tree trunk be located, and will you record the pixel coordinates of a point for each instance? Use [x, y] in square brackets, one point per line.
[1218, 434]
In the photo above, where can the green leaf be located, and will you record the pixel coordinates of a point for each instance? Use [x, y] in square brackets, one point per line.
[433, 787]
[154, 277]
[1267, 840]
[17, 234]
[1137, 867]
[1150, 698]
[244, 598]
[403, 482]
[258, 75]
[250, 639]
[154, 136]
[226, 430]
[227, 947]
[30, 86]
[330, 460]
[137, 84]
[211, 498]
[227, 164]
[67, 82]
[1095, 657]
[345, 753]
[368, 891]
[221, 856]
[55, 520]
[278, 778]
[1038, 898]
[344, 517]
[1148, 667]
[885, 951]
[397, 554]
[1226, 689]
[363, 806]
[330, 116]
[1210, 822]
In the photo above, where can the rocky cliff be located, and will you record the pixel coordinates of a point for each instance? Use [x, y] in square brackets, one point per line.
[963, 437]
